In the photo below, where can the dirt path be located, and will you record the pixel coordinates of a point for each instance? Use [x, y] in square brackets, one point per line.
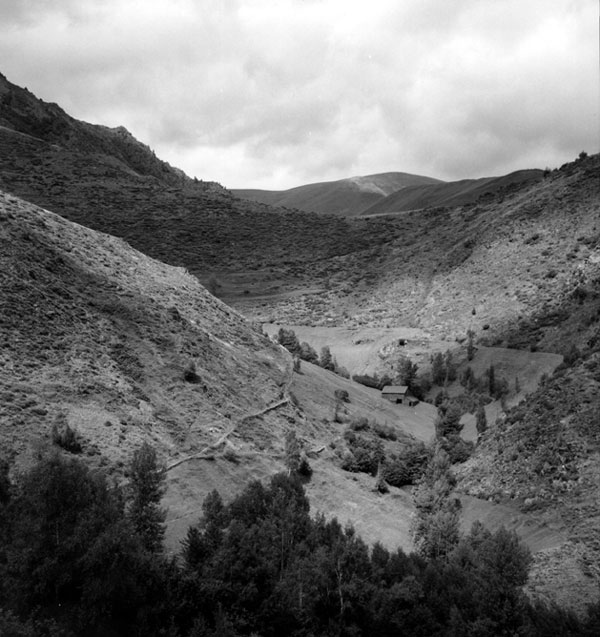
[205, 455]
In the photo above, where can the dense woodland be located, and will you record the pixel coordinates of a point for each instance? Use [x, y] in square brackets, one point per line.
[79, 556]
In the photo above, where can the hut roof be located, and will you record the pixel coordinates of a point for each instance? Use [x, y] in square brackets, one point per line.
[395, 389]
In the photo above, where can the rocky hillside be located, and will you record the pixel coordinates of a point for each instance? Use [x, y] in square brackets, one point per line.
[345, 197]
[119, 347]
[22, 112]
[543, 458]
[490, 266]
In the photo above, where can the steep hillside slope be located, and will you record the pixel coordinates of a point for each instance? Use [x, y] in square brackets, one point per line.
[453, 193]
[345, 197]
[120, 347]
[543, 459]
[21, 111]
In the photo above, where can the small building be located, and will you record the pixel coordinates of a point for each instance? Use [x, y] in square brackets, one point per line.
[399, 394]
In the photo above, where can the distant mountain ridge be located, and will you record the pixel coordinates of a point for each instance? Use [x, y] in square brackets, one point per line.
[452, 193]
[345, 197]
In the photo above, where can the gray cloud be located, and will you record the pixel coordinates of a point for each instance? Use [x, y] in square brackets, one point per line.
[257, 93]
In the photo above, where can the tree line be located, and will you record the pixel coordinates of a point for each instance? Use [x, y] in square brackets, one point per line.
[81, 556]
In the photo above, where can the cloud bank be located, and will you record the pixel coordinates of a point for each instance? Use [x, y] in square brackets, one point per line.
[277, 93]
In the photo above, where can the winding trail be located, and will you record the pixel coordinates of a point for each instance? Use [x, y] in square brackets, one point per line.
[205, 455]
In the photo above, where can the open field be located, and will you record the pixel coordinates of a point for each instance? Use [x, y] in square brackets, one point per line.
[367, 349]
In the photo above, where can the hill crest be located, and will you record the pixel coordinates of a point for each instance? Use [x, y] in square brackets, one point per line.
[345, 197]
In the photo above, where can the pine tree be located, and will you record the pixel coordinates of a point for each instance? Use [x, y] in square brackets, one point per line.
[407, 372]
[449, 367]
[147, 486]
[438, 370]
[326, 360]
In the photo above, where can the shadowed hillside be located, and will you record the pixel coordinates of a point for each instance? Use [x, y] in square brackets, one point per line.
[346, 197]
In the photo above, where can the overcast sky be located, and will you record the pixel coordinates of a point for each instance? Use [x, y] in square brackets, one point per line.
[279, 93]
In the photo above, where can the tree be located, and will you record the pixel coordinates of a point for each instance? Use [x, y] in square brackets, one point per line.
[308, 353]
[326, 360]
[480, 420]
[467, 379]
[292, 452]
[407, 372]
[380, 483]
[449, 367]
[71, 555]
[436, 527]
[147, 486]
[438, 370]
[470, 344]
[448, 421]
[289, 340]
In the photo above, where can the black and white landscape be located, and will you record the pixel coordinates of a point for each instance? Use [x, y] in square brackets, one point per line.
[288, 347]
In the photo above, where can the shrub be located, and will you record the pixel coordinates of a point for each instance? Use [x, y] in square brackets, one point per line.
[359, 423]
[304, 469]
[385, 431]
[289, 340]
[66, 438]
[308, 353]
[342, 394]
[367, 381]
[365, 455]
[341, 371]
[408, 466]
[189, 373]
[458, 450]
[380, 483]
[231, 456]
